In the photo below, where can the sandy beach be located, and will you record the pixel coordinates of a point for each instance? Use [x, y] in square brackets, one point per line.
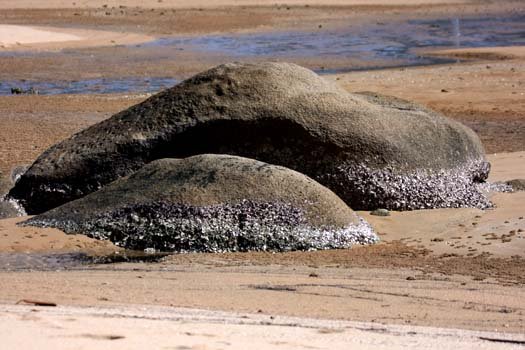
[458, 272]
[200, 329]
[19, 38]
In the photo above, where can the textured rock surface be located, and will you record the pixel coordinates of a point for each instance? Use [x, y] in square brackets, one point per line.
[373, 151]
[213, 203]
[17, 172]
[8, 209]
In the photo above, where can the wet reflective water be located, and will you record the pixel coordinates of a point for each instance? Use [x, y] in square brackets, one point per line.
[389, 45]
[41, 262]
[89, 86]
[69, 261]
[373, 46]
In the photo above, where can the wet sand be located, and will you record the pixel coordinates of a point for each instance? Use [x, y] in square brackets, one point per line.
[388, 295]
[453, 268]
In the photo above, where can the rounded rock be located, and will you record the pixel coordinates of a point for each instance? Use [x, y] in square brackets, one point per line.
[380, 212]
[213, 203]
[372, 150]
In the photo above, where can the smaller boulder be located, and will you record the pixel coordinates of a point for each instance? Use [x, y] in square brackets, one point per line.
[213, 203]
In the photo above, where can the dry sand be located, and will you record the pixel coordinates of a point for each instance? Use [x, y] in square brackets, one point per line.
[21, 38]
[174, 328]
[18, 35]
[14, 238]
[388, 295]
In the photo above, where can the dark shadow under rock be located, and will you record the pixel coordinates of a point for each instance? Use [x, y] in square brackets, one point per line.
[213, 203]
[371, 150]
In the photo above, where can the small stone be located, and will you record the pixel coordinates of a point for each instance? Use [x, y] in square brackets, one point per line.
[516, 184]
[380, 212]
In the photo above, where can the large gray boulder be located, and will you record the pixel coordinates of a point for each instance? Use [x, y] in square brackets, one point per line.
[213, 203]
[373, 151]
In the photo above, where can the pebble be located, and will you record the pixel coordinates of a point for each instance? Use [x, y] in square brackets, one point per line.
[380, 212]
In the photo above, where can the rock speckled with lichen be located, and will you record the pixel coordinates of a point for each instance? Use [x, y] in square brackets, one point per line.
[372, 150]
[213, 203]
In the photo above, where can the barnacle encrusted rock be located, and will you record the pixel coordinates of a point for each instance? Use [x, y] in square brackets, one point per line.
[213, 203]
[373, 151]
